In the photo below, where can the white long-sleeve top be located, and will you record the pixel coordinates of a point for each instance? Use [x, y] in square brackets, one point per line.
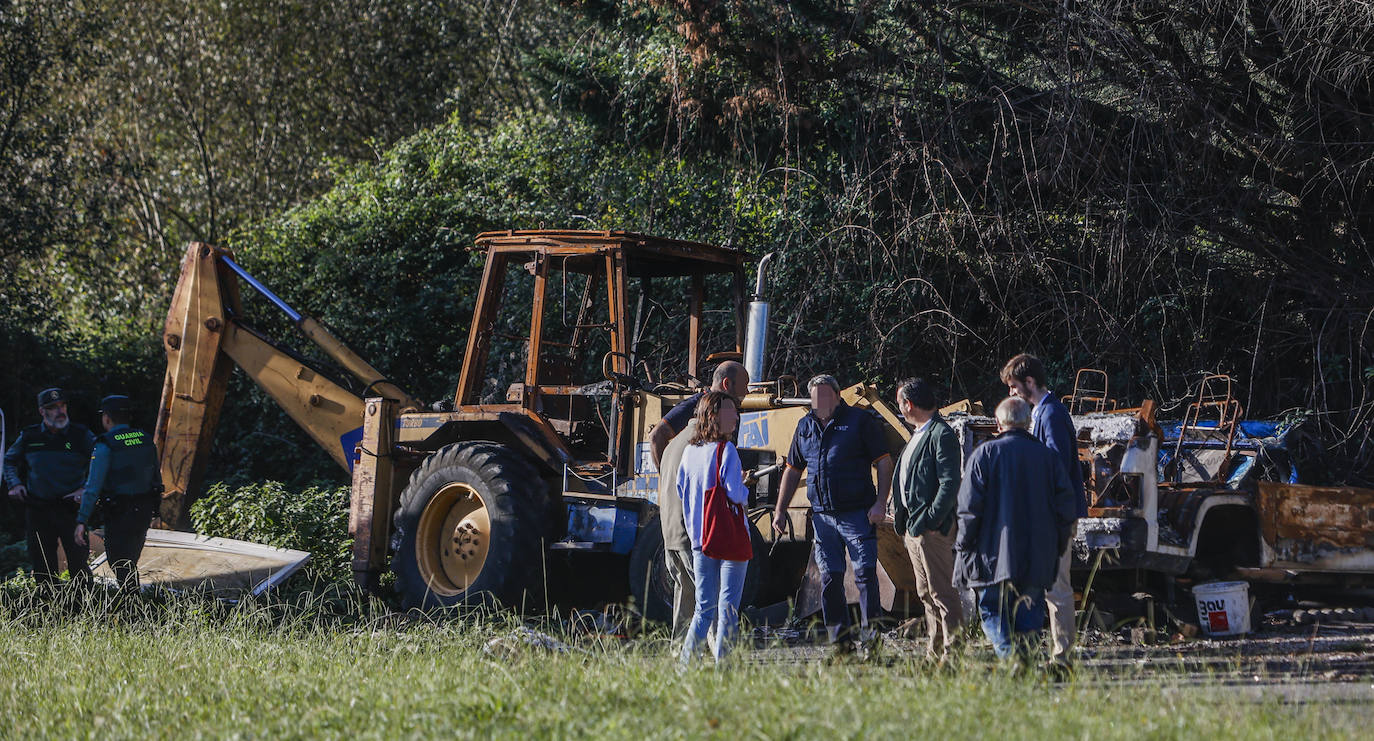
[697, 474]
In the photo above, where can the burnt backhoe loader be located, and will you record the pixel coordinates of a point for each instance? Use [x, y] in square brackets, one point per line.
[580, 341]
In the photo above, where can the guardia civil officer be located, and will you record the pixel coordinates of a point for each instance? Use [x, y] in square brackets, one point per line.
[43, 471]
[124, 478]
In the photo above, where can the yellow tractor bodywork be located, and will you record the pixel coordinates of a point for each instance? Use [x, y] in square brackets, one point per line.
[465, 502]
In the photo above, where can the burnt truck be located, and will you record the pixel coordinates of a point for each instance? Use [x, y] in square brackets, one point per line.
[1209, 494]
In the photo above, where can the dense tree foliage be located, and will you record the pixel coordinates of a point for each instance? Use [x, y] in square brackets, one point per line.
[1158, 189]
[131, 129]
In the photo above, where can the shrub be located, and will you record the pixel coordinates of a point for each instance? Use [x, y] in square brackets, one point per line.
[314, 519]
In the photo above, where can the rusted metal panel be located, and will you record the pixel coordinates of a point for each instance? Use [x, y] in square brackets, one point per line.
[897, 579]
[639, 248]
[541, 284]
[1322, 528]
[479, 337]
[196, 379]
[695, 298]
[374, 495]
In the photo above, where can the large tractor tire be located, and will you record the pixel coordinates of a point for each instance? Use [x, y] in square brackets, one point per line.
[470, 530]
[652, 587]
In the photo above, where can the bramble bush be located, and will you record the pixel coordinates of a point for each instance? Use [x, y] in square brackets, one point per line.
[313, 519]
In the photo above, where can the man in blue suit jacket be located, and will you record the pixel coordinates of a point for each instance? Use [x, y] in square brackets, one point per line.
[1015, 512]
[1052, 425]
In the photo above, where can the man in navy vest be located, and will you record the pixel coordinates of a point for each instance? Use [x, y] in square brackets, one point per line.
[124, 479]
[1052, 425]
[836, 446]
[43, 471]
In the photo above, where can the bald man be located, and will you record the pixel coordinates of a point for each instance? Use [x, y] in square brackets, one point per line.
[667, 441]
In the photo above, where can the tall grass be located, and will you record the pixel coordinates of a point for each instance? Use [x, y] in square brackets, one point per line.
[189, 667]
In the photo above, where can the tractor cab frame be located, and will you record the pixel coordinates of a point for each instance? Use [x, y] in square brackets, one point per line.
[582, 342]
[564, 375]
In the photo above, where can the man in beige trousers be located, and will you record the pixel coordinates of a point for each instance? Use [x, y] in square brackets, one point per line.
[926, 491]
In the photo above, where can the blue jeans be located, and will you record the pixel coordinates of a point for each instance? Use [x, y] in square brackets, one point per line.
[1012, 617]
[720, 584]
[837, 532]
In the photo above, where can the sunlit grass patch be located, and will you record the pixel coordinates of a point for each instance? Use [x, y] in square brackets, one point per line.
[185, 666]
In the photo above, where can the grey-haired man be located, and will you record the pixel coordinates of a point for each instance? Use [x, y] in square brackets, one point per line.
[837, 445]
[44, 470]
[1016, 513]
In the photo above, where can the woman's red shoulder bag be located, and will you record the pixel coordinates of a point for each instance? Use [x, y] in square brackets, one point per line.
[724, 527]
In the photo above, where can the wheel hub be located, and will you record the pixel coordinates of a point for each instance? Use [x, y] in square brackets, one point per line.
[453, 539]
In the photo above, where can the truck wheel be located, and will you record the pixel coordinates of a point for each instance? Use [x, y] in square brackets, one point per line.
[469, 529]
[650, 584]
[652, 587]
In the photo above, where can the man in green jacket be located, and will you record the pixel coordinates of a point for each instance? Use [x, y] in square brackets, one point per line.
[927, 488]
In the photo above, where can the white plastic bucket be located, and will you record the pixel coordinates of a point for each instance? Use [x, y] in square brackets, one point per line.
[1223, 608]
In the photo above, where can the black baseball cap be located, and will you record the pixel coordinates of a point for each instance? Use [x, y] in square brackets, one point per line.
[117, 403]
[51, 396]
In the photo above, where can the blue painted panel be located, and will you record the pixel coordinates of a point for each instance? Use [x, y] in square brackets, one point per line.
[753, 430]
[626, 528]
[591, 523]
[348, 441]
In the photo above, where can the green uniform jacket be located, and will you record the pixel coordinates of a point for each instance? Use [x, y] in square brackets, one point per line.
[123, 464]
[50, 464]
[932, 483]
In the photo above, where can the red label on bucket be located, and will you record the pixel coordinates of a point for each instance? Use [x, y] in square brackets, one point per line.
[1217, 622]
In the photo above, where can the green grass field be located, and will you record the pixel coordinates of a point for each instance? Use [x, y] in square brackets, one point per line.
[191, 668]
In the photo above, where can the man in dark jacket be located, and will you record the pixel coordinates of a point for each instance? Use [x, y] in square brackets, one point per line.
[926, 490]
[837, 446]
[1015, 513]
[1052, 425]
[44, 469]
[124, 478]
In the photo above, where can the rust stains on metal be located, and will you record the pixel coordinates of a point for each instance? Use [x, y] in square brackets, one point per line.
[1334, 516]
[1317, 525]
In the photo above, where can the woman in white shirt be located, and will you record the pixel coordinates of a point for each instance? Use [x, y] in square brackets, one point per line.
[719, 584]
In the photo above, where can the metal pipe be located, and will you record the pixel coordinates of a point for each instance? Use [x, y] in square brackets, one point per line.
[756, 338]
[758, 283]
[260, 288]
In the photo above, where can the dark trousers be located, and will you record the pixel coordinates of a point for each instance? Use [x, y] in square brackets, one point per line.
[836, 533]
[49, 522]
[126, 528]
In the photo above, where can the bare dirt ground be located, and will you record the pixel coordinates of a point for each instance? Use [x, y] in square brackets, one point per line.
[1322, 658]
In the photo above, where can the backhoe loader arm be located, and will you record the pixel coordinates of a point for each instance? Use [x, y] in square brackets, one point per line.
[204, 336]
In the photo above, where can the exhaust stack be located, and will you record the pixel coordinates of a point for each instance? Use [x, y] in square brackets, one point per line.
[756, 335]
